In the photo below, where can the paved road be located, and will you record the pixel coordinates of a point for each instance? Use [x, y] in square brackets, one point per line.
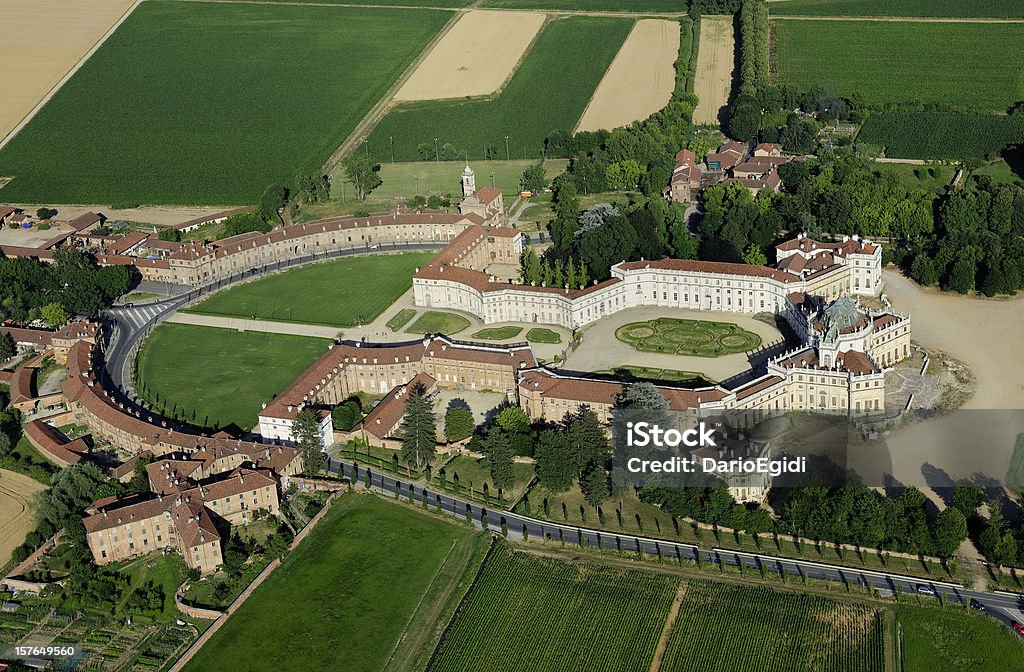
[998, 604]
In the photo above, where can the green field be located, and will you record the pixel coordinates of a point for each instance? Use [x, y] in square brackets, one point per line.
[475, 473]
[409, 178]
[371, 574]
[941, 135]
[963, 64]
[542, 335]
[701, 338]
[204, 103]
[498, 333]
[220, 377]
[950, 640]
[675, 6]
[932, 176]
[436, 322]
[752, 629]
[548, 92]
[556, 615]
[949, 8]
[401, 318]
[334, 293]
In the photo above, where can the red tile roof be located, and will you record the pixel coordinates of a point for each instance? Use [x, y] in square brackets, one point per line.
[385, 416]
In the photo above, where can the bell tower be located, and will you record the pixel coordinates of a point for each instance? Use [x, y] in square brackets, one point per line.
[468, 182]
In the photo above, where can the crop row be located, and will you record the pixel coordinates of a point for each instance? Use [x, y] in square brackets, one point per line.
[941, 135]
[545, 614]
[731, 628]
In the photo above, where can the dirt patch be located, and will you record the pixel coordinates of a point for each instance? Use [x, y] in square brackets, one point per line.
[41, 42]
[670, 622]
[16, 492]
[475, 58]
[639, 81]
[982, 333]
[715, 65]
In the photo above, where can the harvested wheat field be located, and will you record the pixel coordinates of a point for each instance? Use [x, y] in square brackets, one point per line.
[41, 41]
[640, 80]
[475, 58]
[16, 492]
[715, 63]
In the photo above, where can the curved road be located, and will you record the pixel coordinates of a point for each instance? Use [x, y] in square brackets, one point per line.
[997, 604]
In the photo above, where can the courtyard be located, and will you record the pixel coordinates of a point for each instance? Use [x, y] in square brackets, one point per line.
[721, 339]
[687, 337]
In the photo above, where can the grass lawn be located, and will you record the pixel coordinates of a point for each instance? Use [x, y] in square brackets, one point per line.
[956, 63]
[221, 375]
[700, 338]
[339, 293]
[475, 472]
[401, 318]
[436, 322]
[932, 176]
[370, 577]
[204, 103]
[498, 333]
[953, 639]
[542, 335]
[952, 8]
[548, 92]
[166, 571]
[1002, 172]
[405, 179]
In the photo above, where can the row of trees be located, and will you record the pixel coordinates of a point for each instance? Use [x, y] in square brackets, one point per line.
[71, 285]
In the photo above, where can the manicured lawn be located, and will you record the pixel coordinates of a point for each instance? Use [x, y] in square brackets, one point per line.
[548, 92]
[953, 639]
[952, 8]
[341, 293]
[687, 337]
[955, 63]
[346, 596]
[401, 318]
[542, 335]
[406, 179]
[220, 375]
[498, 333]
[436, 322]
[210, 102]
